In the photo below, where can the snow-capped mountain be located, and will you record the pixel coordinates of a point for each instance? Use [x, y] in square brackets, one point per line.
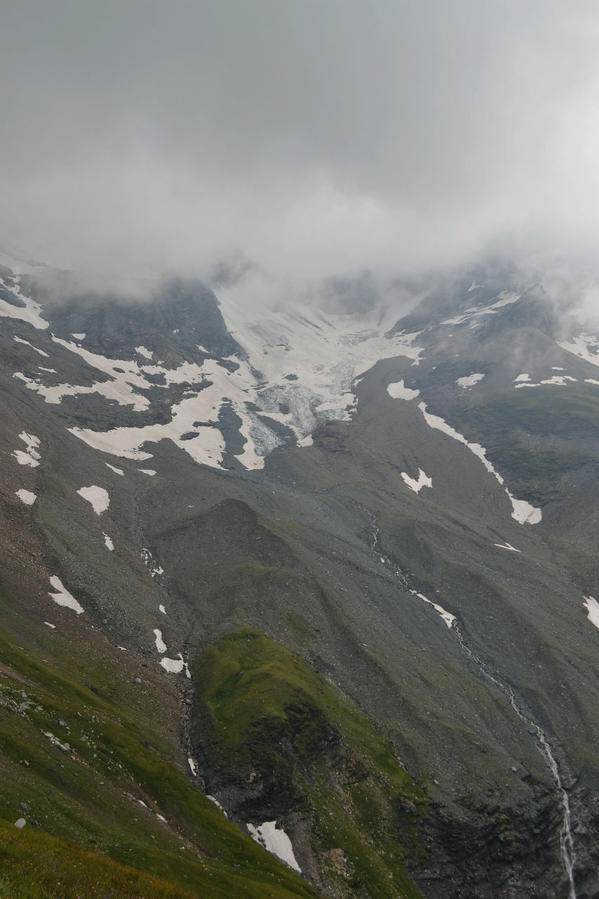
[330, 574]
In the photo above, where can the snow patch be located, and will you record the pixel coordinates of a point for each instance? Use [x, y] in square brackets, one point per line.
[592, 607]
[447, 617]
[115, 469]
[108, 542]
[29, 312]
[524, 512]
[31, 455]
[470, 380]
[49, 624]
[143, 351]
[585, 346]
[26, 496]
[557, 380]
[275, 840]
[79, 336]
[62, 597]
[162, 609]
[149, 471]
[399, 391]
[417, 484]
[193, 766]
[160, 644]
[97, 497]
[505, 298]
[507, 546]
[175, 666]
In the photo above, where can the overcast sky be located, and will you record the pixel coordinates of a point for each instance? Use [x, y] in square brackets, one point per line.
[315, 137]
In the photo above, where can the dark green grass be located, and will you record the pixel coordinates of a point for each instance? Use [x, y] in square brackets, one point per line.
[120, 750]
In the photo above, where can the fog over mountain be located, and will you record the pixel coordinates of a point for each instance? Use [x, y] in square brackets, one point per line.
[299, 449]
[314, 139]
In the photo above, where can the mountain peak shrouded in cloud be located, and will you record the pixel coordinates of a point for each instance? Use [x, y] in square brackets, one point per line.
[316, 140]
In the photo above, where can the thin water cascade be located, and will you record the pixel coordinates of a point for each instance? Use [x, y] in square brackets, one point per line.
[544, 748]
[566, 839]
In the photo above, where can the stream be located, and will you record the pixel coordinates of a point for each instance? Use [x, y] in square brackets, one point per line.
[566, 839]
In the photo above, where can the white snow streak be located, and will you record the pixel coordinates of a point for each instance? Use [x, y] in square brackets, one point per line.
[522, 511]
[62, 597]
[447, 617]
[505, 298]
[27, 343]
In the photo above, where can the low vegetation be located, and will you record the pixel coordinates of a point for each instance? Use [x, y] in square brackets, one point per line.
[266, 719]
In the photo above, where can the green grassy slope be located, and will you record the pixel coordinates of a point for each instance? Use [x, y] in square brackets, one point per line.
[92, 760]
[264, 717]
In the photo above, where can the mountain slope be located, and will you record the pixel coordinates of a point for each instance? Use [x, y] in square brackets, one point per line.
[396, 516]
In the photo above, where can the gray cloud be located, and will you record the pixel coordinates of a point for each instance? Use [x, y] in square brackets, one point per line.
[314, 138]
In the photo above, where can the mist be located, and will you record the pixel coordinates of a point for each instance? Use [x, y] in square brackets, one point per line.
[278, 146]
